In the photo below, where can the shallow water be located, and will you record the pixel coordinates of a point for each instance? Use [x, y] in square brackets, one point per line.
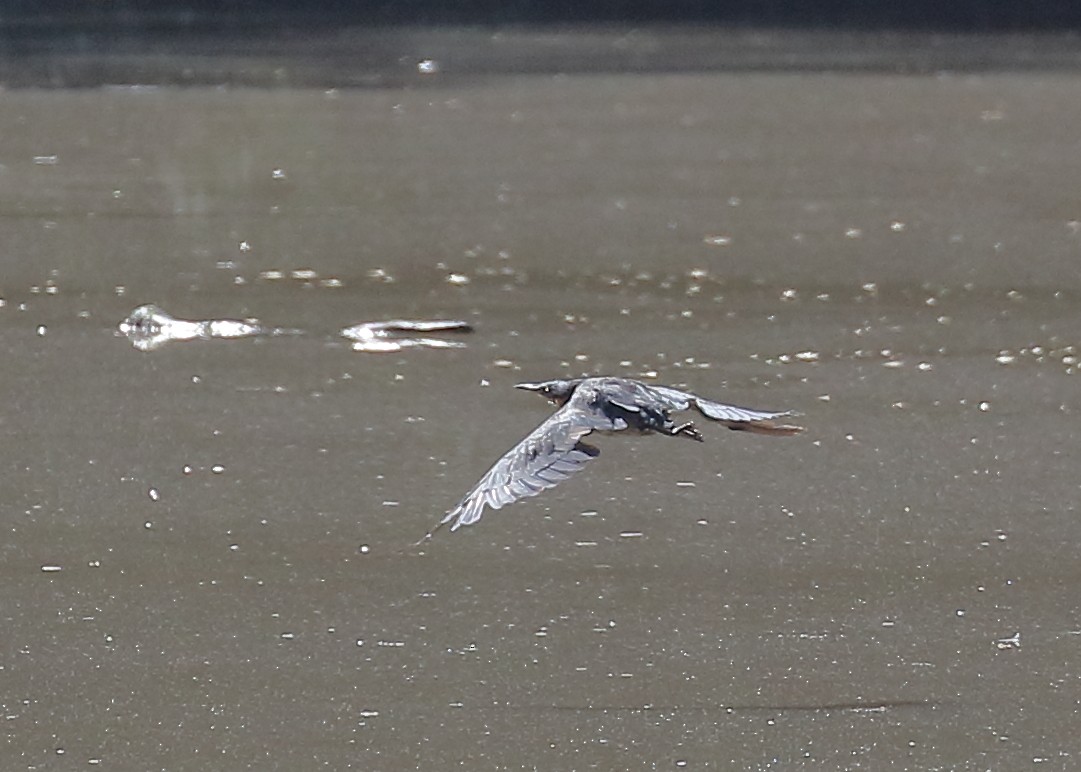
[204, 558]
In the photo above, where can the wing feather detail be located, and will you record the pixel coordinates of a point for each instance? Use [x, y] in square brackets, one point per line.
[549, 455]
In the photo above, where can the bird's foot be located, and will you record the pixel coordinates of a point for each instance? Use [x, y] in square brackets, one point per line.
[688, 430]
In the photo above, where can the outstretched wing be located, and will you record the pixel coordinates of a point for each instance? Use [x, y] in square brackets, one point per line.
[549, 455]
[732, 416]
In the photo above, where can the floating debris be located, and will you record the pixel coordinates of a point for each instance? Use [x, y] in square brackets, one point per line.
[382, 337]
[149, 327]
[1005, 644]
[799, 356]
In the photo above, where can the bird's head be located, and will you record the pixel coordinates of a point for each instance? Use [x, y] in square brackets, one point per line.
[557, 392]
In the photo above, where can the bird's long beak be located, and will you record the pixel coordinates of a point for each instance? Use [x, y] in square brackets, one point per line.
[529, 386]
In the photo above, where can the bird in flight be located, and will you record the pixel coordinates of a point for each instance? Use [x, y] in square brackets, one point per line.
[555, 450]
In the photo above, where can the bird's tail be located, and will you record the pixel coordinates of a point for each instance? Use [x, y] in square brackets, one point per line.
[764, 427]
[747, 419]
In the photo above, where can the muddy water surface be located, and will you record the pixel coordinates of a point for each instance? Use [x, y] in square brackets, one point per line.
[203, 560]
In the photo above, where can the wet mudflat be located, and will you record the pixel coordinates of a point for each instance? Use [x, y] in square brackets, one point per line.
[205, 558]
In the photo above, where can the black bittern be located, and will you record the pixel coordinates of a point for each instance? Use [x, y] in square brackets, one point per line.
[554, 450]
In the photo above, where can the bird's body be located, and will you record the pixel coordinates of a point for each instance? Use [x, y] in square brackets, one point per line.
[555, 450]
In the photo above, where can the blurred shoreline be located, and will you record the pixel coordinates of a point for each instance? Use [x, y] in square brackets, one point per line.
[322, 56]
